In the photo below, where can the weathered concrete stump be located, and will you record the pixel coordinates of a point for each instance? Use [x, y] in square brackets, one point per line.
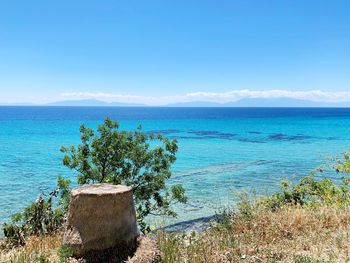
[101, 217]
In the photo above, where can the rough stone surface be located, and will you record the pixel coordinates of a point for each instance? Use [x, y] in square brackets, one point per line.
[100, 217]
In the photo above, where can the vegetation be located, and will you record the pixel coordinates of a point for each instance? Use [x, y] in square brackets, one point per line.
[36, 249]
[64, 253]
[303, 222]
[310, 191]
[132, 158]
[291, 234]
[41, 217]
[306, 222]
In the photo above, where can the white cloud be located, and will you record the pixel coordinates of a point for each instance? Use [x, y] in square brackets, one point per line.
[219, 97]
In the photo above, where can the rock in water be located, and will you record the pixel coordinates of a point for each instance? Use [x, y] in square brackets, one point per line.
[100, 217]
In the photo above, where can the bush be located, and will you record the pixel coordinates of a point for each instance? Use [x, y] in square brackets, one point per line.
[40, 217]
[132, 158]
[306, 259]
[312, 190]
[64, 252]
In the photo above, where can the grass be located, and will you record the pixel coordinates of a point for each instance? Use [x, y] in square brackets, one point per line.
[292, 234]
[307, 222]
[37, 249]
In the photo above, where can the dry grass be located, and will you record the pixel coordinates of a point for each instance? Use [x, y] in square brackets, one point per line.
[293, 234]
[37, 249]
[45, 250]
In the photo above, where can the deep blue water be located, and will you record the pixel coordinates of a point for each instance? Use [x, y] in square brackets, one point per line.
[221, 150]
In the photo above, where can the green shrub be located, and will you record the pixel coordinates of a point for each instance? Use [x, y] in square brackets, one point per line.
[64, 253]
[43, 259]
[313, 190]
[132, 158]
[40, 217]
[306, 259]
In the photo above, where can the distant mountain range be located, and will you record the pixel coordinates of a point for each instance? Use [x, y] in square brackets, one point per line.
[279, 102]
[259, 102]
[93, 103]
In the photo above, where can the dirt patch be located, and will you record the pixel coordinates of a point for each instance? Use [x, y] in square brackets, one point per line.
[147, 251]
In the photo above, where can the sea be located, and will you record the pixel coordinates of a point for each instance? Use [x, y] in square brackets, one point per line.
[222, 151]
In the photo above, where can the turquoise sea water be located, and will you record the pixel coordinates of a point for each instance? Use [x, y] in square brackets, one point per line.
[221, 150]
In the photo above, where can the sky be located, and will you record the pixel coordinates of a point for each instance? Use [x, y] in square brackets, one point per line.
[159, 52]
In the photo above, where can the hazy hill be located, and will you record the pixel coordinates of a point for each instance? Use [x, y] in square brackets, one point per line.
[93, 103]
[259, 102]
[255, 102]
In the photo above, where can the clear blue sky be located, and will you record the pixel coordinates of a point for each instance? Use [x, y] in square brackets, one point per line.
[53, 50]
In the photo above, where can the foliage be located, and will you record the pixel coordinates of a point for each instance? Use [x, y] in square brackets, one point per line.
[305, 216]
[64, 252]
[40, 217]
[306, 259]
[132, 158]
[313, 190]
[43, 259]
[304, 222]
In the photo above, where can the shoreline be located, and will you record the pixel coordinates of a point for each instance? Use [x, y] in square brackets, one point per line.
[199, 225]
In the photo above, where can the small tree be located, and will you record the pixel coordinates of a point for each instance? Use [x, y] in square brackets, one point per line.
[132, 158]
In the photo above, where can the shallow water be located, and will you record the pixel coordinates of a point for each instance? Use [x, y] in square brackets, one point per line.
[221, 150]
